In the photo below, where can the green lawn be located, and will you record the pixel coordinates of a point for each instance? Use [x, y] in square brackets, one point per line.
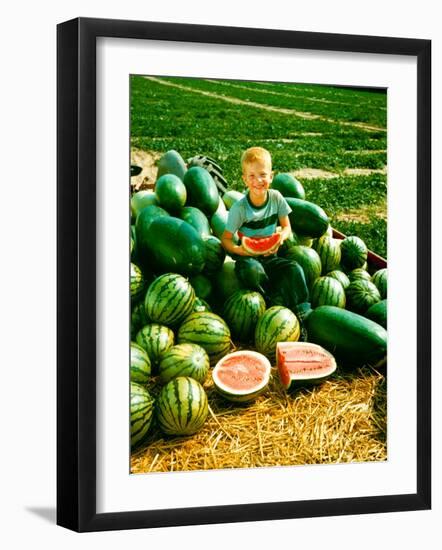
[348, 131]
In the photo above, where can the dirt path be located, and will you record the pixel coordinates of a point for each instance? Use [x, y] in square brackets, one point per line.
[290, 112]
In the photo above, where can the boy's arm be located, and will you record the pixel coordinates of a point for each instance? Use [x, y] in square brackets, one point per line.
[230, 246]
[286, 228]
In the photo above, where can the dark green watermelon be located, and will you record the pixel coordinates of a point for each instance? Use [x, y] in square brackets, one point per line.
[172, 245]
[202, 191]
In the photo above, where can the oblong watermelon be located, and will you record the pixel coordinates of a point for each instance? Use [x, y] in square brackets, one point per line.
[142, 199]
[172, 245]
[307, 219]
[230, 197]
[215, 255]
[288, 185]
[171, 193]
[241, 376]
[202, 191]
[378, 313]
[197, 219]
[182, 406]
[172, 163]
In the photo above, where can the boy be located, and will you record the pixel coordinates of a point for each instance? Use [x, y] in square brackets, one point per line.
[257, 215]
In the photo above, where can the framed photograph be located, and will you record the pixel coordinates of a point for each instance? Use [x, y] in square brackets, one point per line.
[229, 203]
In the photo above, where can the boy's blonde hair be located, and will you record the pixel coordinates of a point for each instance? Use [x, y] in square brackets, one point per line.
[254, 154]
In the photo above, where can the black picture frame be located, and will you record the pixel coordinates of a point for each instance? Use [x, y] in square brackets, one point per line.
[76, 274]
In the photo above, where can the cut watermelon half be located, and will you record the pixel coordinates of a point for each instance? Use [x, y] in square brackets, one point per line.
[303, 364]
[257, 246]
[242, 375]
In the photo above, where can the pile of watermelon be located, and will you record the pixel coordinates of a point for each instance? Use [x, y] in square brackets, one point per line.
[191, 308]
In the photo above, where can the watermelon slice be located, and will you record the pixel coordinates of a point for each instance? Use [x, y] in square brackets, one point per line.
[303, 364]
[257, 246]
[242, 375]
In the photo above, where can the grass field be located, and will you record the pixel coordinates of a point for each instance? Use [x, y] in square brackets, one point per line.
[333, 140]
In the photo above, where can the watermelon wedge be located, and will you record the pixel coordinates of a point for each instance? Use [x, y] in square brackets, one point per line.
[242, 375]
[303, 364]
[256, 246]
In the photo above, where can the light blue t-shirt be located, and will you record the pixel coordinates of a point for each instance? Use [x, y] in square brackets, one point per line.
[260, 221]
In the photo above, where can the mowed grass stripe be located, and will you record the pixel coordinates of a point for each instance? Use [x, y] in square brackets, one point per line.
[253, 104]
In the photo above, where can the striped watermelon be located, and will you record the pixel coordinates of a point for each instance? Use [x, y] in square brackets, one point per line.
[184, 360]
[339, 276]
[308, 259]
[140, 367]
[329, 251]
[242, 311]
[327, 291]
[358, 273]
[182, 406]
[209, 331]
[353, 253]
[215, 255]
[277, 324]
[155, 339]
[380, 280]
[141, 413]
[169, 299]
[136, 283]
[361, 294]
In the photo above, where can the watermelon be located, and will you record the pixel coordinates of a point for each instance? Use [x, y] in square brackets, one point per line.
[257, 246]
[182, 406]
[308, 259]
[288, 186]
[241, 376]
[378, 313]
[303, 364]
[141, 413]
[242, 311]
[329, 251]
[339, 276]
[251, 274]
[142, 199]
[172, 245]
[140, 367]
[307, 219]
[197, 219]
[155, 339]
[277, 324]
[202, 286]
[201, 305]
[353, 253]
[361, 294]
[379, 279]
[358, 274]
[214, 254]
[350, 337]
[137, 284]
[171, 193]
[184, 360]
[218, 222]
[327, 291]
[169, 299]
[171, 163]
[209, 331]
[201, 190]
[232, 196]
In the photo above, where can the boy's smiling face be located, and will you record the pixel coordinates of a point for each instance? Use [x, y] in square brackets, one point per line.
[257, 175]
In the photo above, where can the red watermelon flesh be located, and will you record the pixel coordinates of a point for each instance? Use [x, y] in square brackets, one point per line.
[301, 362]
[242, 375]
[260, 245]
